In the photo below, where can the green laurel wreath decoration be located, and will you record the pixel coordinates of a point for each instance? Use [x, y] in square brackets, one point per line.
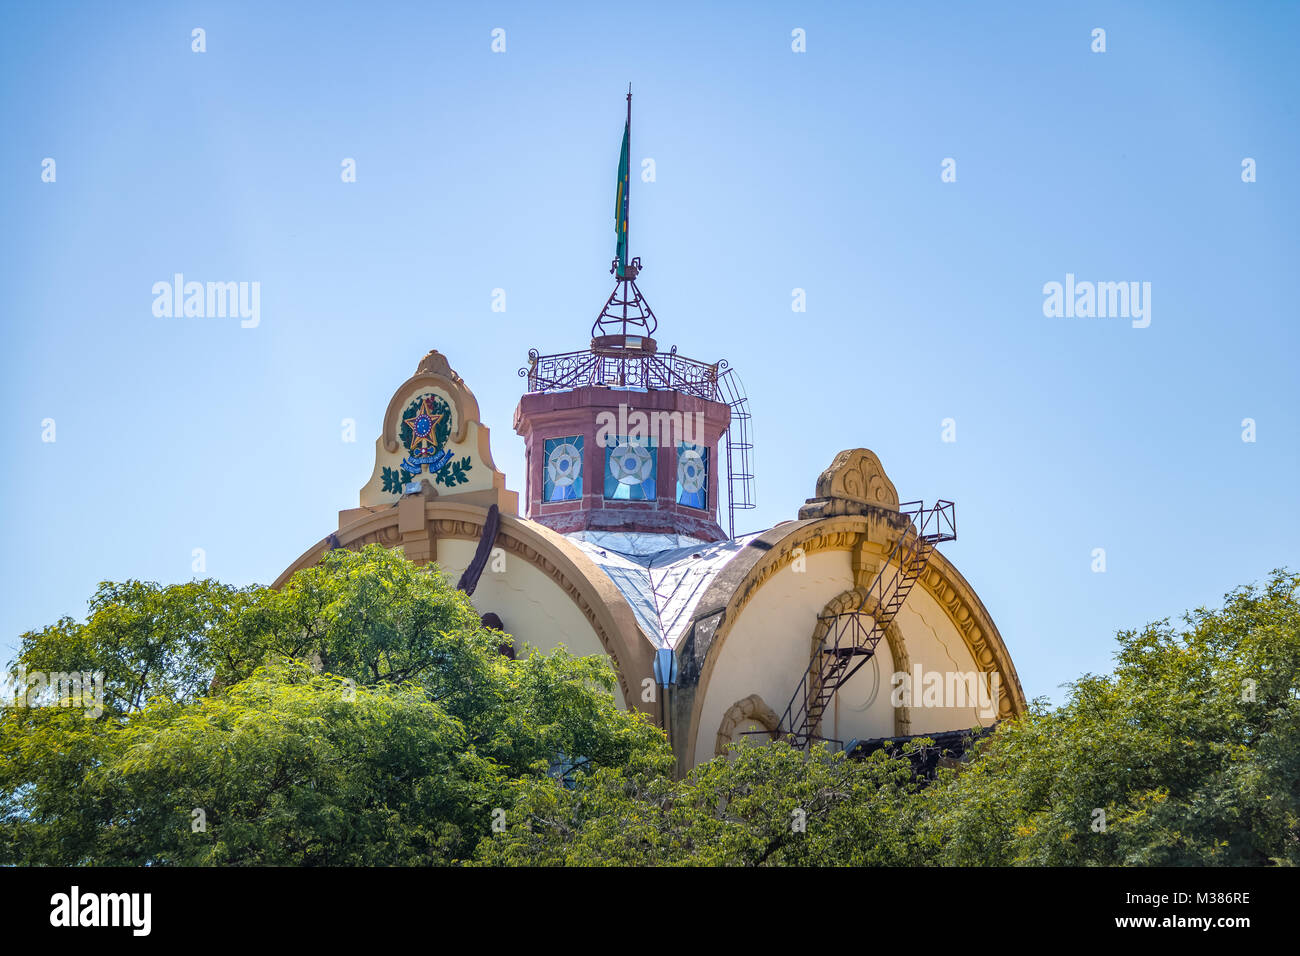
[394, 479]
[454, 473]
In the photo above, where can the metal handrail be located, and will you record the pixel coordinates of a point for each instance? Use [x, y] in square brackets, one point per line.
[568, 370]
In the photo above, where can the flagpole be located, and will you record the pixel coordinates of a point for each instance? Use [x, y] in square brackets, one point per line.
[628, 197]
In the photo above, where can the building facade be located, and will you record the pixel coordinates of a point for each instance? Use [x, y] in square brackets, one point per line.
[619, 552]
[844, 624]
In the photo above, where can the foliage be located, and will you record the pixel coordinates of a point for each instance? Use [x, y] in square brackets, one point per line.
[768, 805]
[1187, 768]
[362, 715]
[454, 473]
[394, 480]
[1191, 749]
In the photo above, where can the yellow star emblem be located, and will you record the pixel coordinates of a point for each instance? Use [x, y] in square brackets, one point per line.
[423, 425]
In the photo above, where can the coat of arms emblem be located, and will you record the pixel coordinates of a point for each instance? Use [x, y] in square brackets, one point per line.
[424, 429]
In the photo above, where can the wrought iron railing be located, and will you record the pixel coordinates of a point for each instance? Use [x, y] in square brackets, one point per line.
[639, 370]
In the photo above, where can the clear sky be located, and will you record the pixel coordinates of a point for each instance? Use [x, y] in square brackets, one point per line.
[775, 170]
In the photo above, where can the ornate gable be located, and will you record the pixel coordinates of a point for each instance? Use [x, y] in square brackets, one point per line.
[433, 442]
[854, 482]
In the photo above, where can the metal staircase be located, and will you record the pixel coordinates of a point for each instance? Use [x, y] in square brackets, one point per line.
[852, 636]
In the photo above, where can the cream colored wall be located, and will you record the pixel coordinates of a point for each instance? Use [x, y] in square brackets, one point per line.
[934, 642]
[862, 708]
[767, 651]
[535, 611]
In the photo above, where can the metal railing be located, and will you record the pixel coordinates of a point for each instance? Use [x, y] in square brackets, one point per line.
[670, 372]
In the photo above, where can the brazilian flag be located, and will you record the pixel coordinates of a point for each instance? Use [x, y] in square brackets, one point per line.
[620, 199]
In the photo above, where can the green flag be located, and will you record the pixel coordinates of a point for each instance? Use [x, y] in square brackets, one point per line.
[620, 200]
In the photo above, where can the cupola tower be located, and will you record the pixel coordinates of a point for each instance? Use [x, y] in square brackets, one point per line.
[622, 438]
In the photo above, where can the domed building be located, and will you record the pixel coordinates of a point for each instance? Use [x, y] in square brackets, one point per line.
[844, 624]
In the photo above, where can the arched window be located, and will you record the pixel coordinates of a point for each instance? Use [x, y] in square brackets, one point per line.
[493, 621]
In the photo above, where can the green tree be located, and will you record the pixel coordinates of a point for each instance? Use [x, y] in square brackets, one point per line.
[1190, 749]
[360, 714]
[760, 805]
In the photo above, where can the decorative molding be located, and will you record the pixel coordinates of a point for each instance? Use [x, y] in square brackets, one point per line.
[836, 534]
[387, 536]
[943, 583]
[467, 436]
[873, 533]
[855, 481]
[419, 384]
[435, 363]
[893, 638]
[750, 708]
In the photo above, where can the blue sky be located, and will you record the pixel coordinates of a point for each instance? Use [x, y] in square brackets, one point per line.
[775, 170]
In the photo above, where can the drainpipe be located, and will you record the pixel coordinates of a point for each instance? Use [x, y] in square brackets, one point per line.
[666, 678]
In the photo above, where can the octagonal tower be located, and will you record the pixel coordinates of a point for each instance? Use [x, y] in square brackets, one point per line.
[621, 438]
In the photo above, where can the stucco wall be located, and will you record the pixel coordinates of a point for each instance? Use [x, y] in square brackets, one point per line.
[766, 649]
[862, 708]
[933, 642]
[535, 611]
[766, 652]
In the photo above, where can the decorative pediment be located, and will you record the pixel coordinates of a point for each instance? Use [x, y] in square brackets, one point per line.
[433, 443]
[855, 482]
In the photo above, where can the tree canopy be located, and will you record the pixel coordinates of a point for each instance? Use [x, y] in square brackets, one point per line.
[361, 715]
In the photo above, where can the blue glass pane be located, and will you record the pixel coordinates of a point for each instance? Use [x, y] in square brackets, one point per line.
[693, 475]
[562, 469]
[630, 467]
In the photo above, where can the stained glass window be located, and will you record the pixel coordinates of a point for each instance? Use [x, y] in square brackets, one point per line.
[630, 465]
[692, 475]
[563, 469]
